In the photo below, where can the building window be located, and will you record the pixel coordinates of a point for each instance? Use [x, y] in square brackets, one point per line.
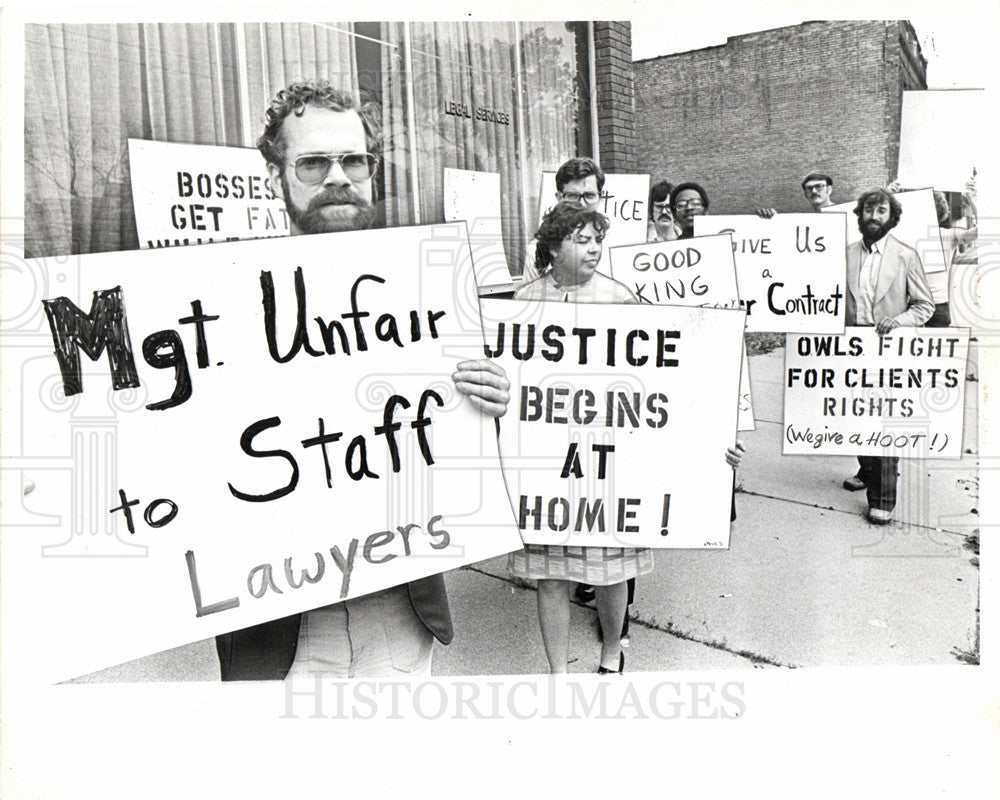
[504, 97]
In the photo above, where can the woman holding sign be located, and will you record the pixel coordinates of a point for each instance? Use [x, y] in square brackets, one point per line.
[569, 247]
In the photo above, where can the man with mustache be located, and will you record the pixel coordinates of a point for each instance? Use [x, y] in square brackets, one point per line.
[887, 288]
[817, 188]
[661, 226]
[320, 146]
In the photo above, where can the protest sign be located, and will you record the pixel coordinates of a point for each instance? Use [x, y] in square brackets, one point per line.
[917, 227]
[623, 201]
[689, 272]
[194, 193]
[474, 197]
[619, 421]
[861, 394]
[930, 152]
[267, 427]
[790, 270]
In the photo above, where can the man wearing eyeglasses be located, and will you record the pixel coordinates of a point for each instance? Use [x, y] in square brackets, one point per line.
[817, 188]
[687, 201]
[579, 180]
[319, 146]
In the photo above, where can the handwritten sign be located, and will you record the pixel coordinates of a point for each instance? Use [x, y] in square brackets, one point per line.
[474, 197]
[268, 426]
[623, 201]
[193, 193]
[691, 272]
[918, 227]
[619, 421]
[862, 394]
[790, 269]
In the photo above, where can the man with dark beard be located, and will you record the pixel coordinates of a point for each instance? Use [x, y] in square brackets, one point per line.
[319, 146]
[887, 288]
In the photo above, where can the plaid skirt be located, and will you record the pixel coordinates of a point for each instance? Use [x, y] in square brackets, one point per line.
[598, 566]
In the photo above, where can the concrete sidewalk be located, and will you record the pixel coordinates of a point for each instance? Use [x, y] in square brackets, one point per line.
[807, 581]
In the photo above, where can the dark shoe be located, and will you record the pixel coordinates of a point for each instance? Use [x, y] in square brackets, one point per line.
[620, 670]
[879, 517]
[855, 483]
[584, 593]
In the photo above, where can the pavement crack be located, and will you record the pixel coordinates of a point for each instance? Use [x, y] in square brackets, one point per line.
[846, 513]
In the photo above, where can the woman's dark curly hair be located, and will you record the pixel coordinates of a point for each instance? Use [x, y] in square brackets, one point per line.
[296, 97]
[560, 222]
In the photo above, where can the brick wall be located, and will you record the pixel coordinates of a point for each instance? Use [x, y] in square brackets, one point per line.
[747, 119]
[615, 96]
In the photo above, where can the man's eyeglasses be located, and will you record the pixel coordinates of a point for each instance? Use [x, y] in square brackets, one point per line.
[815, 187]
[575, 197]
[315, 167]
[694, 205]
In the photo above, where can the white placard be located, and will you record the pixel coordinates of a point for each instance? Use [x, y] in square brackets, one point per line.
[691, 272]
[941, 138]
[623, 201]
[918, 227]
[194, 193]
[310, 423]
[790, 269]
[619, 421]
[474, 197]
[861, 394]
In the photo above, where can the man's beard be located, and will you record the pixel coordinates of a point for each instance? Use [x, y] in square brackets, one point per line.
[313, 218]
[871, 231]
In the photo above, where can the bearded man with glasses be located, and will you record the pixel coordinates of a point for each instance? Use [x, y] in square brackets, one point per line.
[319, 144]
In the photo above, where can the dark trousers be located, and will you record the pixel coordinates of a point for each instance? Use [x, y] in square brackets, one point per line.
[879, 475]
[941, 317]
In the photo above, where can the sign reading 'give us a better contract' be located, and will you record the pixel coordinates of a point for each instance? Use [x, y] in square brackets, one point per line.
[266, 427]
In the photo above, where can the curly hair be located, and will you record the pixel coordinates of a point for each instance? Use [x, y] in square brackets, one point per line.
[878, 196]
[560, 221]
[680, 187]
[577, 168]
[296, 98]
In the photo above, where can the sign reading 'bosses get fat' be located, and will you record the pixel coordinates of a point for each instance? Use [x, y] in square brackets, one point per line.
[790, 269]
[276, 429]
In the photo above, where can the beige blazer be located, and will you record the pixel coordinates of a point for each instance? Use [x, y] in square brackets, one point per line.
[901, 291]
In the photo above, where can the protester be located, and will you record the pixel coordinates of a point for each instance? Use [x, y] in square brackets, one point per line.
[886, 287]
[321, 146]
[569, 246]
[953, 239]
[580, 181]
[661, 226]
[817, 188]
[687, 201]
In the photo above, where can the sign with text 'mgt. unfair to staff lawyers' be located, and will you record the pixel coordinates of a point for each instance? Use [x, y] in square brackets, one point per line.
[861, 394]
[686, 272]
[267, 427]
[195, 193]
[790, 269]
[619, 421]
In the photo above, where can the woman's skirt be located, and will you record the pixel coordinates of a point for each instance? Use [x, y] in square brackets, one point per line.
[598, 566]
